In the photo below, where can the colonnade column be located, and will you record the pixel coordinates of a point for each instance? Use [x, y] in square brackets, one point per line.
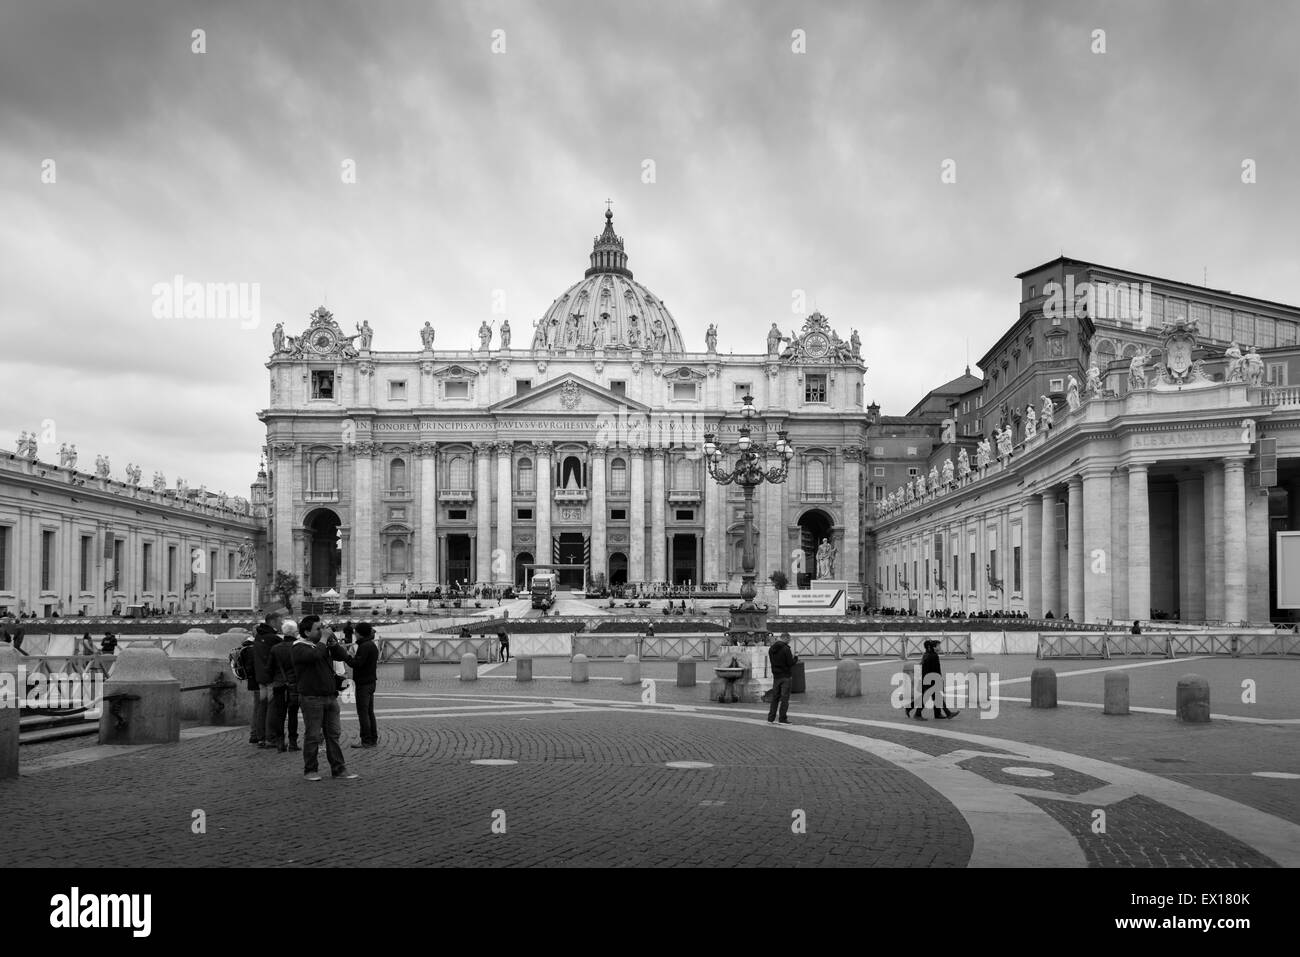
[503, 560]
[1139, 543]
[1234, 539]
[1048, 557]
[1097, 551]
[849, 547]
[1119, 545]
[1191, 548]
[636, 534]
[658, 525]
[284, 456]
[545, 547]
[1075, 559]
[428, 514]
[363, 533]
[599, 516]
[1031, 561]
[483, 512]
[1213, 519]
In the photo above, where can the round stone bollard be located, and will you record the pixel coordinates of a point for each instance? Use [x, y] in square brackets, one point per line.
[631, 670]
[9, 712]
[410, 669]
[199, 659]
[685, 672]
[1115, 694]
[1193, 699]
[469, 666]
[578, 669]
[848, 679]
[150, 711]
[523, 669]
[1042, 688]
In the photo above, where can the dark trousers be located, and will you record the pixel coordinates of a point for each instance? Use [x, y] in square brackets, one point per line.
[257, 731]
[505, 651]
[266, 706]
[780, 696]
[324, 722]
[286, 707]
[931, 694]
[366, 714]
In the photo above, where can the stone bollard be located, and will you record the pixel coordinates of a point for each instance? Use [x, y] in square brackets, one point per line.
[151, 712]
[523, 669]
[410, 669]
[685, 672]
[469, 666]
[631, 670]
[1115, 694]
[199, 659]
[578, 669]
[848, 679]
[979, 686]
[1042, 688]
[11, 694]
[1193, 699]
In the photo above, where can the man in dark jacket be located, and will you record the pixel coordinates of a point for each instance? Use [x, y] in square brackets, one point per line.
[286, 688]
[257, 730]
[932, 684]
[265, 638]
[319, 696]
[365, 664]
[783, 660]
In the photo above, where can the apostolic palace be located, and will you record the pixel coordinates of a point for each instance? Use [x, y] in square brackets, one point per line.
[1128, 452]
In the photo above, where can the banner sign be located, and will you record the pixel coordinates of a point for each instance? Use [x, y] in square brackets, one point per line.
[813, 601]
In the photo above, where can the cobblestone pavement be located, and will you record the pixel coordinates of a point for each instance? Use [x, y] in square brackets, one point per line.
[592, 783]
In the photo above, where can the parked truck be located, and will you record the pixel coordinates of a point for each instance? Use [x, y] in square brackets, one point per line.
[543, 590]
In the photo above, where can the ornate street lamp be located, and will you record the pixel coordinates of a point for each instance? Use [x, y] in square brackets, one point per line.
[754, 464]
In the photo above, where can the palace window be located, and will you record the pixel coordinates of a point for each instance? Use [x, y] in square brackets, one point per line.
[1220, 324]
[1276, 373]
[171, 567]
[322, 384]
[522, 386]
[857, 393]
[618, 477]
[572, 473]
[146, 561]
[457, 514]
[814, 477]
[814, 388]
[1286, 333]
[47, 560]
[1201, 316]
[878, 471]
[458, 473]
[524, 514]
[4, 557]
[87, 543]
[230, 565]
[878, 493]
[119, 558]
[1265, 334]
[618, 386]
[397, 475]
[684, 391]
[398, 555]
[913, 472]
[618, 515]
[878, 450]
[683, 476]
[527, 478]
[911, 450]
[1243, 328]
[743, 389]
[322, 474]
[685, 514]
[456, 389]
[397, 390]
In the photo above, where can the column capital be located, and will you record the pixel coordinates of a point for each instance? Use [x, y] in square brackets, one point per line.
[1139, 467]
[504, 449]
[426, 450]
[545, 448]
[598, 449]
[1076, 482]
[1235, 463]
[658, 454]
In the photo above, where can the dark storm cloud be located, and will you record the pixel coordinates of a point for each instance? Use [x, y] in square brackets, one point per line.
[477, 172]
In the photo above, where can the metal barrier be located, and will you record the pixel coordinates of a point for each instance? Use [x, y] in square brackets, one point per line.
[436, 650]
[815, 645]
[672, 647]
[68, 664]
[1279, 643]
[1202, 644]
[605, 646]
[1149, 644]
[541, 645]
[956, 644]
[1067, 644]
[875, 644]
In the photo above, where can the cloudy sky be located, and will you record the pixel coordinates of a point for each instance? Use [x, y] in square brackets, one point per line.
[773, 171]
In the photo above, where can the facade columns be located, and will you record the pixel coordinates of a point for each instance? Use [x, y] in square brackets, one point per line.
[1074, 542]
[427, 530]
[1234, 539]
[1213, 522]
[483, 512]
[1139, 543]
[658, 525]
[599, 515]
[284, 461]
[545, 545]
[850, 547]
[1097, 551]
[1119, 546]
[1191, 548]
[503, 561]
[363, 509]
[1031, 560]
[636, 535]
[714, 531]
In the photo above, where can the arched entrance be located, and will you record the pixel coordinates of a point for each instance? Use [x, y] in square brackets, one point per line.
[521, 574]
[323, 558]
[617, 569]
[814, 525]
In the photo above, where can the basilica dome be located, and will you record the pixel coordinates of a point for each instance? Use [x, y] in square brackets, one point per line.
[608, 308]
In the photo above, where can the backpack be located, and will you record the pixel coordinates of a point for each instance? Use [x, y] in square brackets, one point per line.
[237, 664]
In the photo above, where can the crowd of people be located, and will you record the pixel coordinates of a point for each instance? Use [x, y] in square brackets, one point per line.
[948, 613]
[300, 668]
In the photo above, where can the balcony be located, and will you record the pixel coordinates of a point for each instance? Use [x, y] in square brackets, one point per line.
[314, 496]
[1281, 397]
[816, 497]
[684, 495]
[570, 495]
[396, 495]
[457, 496]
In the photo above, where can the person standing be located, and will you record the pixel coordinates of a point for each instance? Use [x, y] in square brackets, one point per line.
[503, 640]
[286, 689]
[932, 683]
[318, 694]
[782, 659]
[257, 730]
[365, 666]
[265, 638]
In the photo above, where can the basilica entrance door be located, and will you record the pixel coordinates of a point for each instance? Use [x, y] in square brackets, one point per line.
[571, 549]
[684, 569]
[458, 560]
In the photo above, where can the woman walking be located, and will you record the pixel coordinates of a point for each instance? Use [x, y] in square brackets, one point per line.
[932, 683]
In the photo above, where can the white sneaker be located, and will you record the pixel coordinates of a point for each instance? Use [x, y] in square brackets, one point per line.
[313, 776]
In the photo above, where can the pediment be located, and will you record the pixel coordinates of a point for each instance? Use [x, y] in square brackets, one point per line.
[568, 394]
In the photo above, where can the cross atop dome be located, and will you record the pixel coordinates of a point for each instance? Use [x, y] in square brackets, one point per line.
[607, 255]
